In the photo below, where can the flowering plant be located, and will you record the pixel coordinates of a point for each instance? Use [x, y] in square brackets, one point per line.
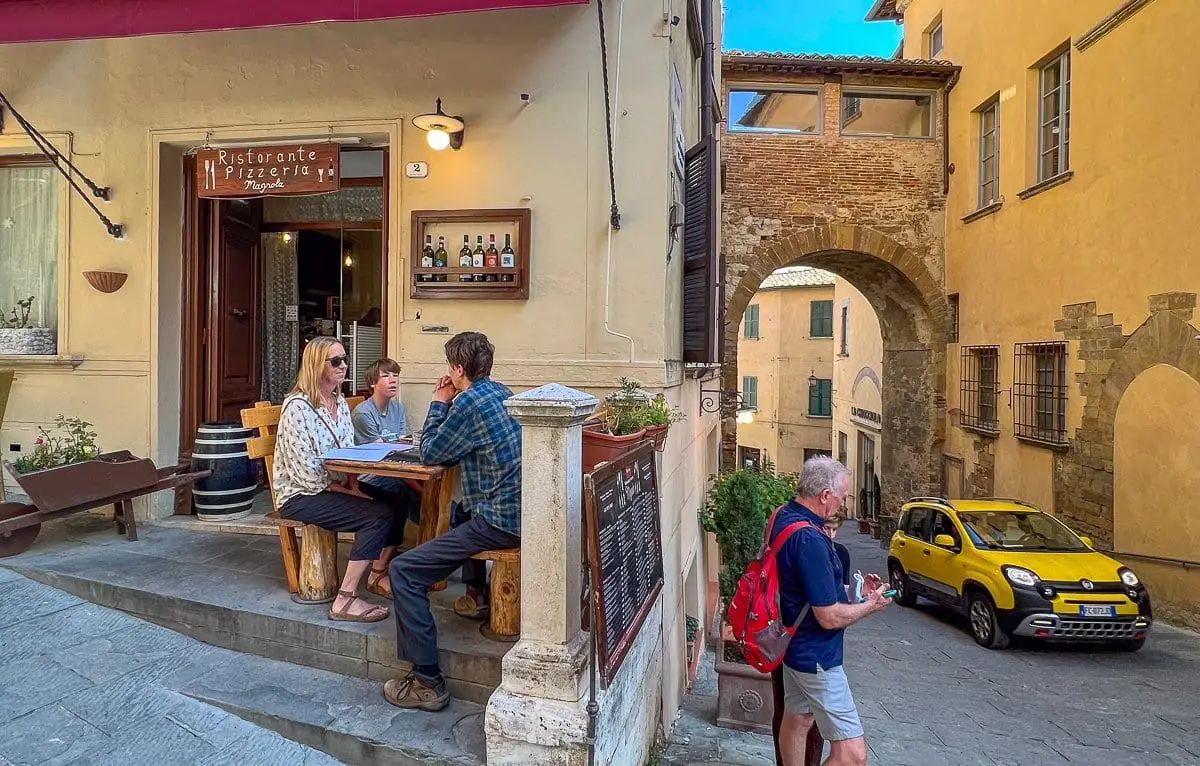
[73, 441]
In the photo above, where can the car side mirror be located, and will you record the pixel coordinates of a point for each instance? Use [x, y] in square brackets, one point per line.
[945, 541]
[1087, 541]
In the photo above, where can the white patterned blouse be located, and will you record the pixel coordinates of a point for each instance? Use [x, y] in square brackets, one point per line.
[305, 433]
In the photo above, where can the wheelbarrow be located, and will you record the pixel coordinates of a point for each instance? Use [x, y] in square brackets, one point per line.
[113, 478]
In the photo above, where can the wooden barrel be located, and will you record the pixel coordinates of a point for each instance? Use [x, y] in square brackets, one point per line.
[229, 492]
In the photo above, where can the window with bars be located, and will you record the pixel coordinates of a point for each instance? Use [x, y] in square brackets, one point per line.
[953, 300]
[750, 323]
[1040, 392]
[843, 445]
[820, 399]
[979, 387]
[989, 154]
[1054, 117]
[845, 328]
[750, 391]
[820, 323]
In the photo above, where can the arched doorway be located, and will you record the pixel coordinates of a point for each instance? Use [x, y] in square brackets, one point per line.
[912, 312]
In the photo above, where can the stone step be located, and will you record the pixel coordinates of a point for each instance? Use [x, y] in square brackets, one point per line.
[228, 591]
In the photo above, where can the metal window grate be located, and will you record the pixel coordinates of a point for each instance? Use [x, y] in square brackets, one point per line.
[979, 386]
[1040, 392]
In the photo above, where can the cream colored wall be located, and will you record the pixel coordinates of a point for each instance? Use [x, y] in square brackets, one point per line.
[857, 376]
[782, 359]
[1118, 231]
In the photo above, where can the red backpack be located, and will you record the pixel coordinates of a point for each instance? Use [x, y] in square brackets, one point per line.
[754, 613]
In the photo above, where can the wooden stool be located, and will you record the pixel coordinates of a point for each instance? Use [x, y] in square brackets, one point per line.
[504, 622]
[315, 573]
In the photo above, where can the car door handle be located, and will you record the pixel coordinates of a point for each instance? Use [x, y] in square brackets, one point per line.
[925, 552]
[900, 543]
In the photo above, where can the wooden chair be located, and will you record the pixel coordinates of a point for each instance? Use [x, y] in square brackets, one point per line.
[310, 564]
[504, 623]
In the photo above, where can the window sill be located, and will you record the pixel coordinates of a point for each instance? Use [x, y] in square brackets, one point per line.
[820, 417]
[991, 433]
[1049, 183]
[1044, 443]
[820, 337]
[984, 211]
[40, 360]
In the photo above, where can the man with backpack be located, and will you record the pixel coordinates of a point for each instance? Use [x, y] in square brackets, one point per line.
[813, 597]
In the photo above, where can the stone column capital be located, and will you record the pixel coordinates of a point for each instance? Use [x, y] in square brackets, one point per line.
[551, 406]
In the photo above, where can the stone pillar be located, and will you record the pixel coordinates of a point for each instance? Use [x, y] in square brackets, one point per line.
[538, 714]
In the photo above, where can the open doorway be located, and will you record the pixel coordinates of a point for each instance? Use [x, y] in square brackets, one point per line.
[263, 276]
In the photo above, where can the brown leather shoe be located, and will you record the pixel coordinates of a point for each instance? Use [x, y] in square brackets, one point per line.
[413, 693]
[473, 605]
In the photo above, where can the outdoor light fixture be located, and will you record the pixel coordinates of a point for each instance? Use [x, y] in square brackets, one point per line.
[441, 130]
[812, 379]
[727, 403]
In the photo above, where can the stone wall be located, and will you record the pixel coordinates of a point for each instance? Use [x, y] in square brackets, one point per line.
[872, 211]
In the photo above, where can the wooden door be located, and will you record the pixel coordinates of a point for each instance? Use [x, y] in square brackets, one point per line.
[235, 305]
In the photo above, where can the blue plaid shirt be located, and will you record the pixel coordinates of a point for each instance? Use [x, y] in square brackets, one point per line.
[479, 434]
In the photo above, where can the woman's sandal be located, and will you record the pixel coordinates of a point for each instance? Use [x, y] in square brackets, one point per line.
[374, 579]
[374, 614]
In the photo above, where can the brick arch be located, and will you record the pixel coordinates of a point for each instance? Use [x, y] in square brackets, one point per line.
[1084, 488]
[913, 311]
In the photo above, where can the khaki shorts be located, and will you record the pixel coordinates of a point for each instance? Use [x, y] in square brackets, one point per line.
[825, 695]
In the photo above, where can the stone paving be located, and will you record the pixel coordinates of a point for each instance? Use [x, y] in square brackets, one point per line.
[929, 696]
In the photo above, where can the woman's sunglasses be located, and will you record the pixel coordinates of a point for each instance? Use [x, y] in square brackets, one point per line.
[336, 361]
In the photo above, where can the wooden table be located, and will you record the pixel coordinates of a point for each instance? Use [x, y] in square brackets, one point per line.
[437, 489]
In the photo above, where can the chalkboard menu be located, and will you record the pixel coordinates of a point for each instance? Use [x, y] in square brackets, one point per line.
[624, 541]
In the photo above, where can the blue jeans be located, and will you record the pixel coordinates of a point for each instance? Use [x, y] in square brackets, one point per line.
[413, 571]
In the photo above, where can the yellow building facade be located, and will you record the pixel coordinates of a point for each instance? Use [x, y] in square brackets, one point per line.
[858, 396]
[785, 360]
[1071, 258]
[603, 302]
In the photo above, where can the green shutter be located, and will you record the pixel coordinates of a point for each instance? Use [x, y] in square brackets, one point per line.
[820, 399]
[820, 319]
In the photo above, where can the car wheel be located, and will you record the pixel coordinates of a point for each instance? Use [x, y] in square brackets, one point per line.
[985, 628]
[1134, 645]
[899, 580]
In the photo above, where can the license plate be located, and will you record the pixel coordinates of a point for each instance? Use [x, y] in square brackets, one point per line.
[1098, 611]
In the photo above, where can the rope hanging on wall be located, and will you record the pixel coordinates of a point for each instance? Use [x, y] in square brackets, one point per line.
[614, 211]
[59, 161]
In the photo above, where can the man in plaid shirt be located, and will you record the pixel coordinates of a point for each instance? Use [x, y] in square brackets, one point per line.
[468, 425]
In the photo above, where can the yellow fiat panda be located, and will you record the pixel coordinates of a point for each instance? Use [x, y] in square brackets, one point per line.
[1014, 571]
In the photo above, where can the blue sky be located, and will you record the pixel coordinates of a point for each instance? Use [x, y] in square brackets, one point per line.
[808, 26]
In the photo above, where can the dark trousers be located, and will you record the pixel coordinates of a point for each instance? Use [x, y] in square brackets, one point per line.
[815, 745]
[413, 571]
[401, 497]
[376, 525]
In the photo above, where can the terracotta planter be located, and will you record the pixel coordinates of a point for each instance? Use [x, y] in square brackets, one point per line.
[864, 526]
[658, 434]
[599, 447]
[745, 700]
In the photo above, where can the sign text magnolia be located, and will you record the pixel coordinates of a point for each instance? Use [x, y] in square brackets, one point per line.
[259, 171]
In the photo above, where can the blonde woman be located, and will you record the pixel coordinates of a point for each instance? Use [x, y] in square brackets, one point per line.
[314, 420]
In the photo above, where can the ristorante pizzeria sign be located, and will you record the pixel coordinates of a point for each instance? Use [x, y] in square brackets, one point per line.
[260, 171]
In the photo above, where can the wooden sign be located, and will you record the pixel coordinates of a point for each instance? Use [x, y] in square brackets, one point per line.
[624, 541]
[260, 171]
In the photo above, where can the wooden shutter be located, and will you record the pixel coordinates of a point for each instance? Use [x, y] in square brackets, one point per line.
[702, 299]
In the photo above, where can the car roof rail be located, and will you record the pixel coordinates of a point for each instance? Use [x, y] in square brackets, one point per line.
[1013, 500]
[931, 499]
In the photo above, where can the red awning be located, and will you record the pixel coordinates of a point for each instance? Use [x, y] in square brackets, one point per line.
[35, 20]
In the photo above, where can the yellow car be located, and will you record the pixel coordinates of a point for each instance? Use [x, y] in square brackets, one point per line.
[1014, 571]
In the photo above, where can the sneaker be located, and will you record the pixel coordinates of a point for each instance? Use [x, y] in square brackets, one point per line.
[413, 692]
[474, 605]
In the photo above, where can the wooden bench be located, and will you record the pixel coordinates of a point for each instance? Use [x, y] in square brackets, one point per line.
[504, 622]
[310, 563]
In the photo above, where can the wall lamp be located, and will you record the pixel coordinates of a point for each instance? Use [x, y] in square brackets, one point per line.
[727, 403]
[441, 130]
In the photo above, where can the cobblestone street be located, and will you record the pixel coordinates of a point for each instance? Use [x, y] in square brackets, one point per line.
[929, 696]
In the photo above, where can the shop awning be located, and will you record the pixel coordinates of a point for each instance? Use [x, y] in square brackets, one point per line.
[39, 20]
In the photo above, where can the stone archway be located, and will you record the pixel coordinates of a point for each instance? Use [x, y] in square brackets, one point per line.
[1084, 486]
[913, 316]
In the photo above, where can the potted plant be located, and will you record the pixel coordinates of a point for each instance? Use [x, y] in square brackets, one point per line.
[73, 441]
[659, 417]
[18, 336]
[619, 428]
[736, 512]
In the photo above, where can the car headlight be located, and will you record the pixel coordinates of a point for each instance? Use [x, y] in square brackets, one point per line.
[1129, 578]
[1019, 576]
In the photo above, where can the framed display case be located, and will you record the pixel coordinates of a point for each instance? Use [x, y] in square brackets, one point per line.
[470, 254]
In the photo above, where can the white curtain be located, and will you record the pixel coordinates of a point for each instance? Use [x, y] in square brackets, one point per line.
[29, 242]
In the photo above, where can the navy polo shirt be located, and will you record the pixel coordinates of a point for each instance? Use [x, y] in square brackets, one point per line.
[810, 572]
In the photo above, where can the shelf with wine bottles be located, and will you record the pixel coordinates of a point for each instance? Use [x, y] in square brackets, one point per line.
[470, 254]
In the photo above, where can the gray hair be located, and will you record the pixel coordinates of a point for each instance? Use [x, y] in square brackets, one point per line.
[819, 474]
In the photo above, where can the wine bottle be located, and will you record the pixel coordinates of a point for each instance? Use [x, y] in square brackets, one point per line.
[508, 259]
[441, 259]
[478, 256]
[427, 259]
[464, 258]
[491, 259]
